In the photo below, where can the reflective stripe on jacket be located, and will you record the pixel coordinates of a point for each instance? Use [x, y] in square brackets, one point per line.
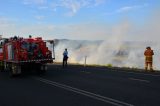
[148, 59]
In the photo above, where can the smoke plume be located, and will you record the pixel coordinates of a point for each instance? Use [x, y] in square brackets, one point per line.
[124, 48]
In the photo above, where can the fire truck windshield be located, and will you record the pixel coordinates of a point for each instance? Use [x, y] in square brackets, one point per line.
[25, 45]
[29, 46]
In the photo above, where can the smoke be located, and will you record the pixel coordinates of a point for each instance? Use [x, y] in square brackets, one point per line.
[124, 47]
[123, 54]
[110, 51]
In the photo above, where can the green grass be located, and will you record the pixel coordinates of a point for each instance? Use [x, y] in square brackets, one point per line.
[109, 65]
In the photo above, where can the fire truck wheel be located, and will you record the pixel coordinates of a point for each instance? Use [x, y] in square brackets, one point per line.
[15, 70]
[19, 69]
[43, 69]
[1, 66]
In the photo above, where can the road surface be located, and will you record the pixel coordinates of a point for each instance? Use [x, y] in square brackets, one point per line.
[81, 86]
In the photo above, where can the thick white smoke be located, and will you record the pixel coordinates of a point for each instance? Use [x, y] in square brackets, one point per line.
[125, 54]
[115, 50]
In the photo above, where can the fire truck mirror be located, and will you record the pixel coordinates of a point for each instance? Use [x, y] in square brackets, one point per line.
[1, 43]
[51, 42]
[6, 40]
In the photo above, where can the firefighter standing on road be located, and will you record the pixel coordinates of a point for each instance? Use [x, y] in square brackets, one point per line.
[65, 58]
[148, 58]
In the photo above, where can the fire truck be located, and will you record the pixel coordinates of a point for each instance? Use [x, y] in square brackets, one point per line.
[19, 54]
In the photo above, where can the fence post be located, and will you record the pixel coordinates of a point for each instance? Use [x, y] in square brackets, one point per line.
[85, 60]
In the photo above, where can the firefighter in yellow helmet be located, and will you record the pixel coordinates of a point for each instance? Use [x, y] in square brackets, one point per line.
[148, 58]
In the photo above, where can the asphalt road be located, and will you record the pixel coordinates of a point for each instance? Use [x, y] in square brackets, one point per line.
[81, 86]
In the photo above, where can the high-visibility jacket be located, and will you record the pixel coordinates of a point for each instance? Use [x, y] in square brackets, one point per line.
[148, 55]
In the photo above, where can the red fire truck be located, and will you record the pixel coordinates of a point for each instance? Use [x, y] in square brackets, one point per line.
[24, 54]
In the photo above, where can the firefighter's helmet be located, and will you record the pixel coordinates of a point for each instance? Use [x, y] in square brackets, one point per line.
[148, 47]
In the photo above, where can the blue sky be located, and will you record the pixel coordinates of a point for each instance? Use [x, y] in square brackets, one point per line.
[81, 19]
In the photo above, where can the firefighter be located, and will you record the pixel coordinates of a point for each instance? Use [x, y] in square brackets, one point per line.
[148, 58]
[65, 58]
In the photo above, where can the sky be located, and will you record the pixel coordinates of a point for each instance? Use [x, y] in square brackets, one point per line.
[126, 20]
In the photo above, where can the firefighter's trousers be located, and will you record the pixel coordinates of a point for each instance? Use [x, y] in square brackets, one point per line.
[148, 63]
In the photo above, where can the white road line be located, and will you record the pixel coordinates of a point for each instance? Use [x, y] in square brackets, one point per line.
[83, 92]
[139, 80]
